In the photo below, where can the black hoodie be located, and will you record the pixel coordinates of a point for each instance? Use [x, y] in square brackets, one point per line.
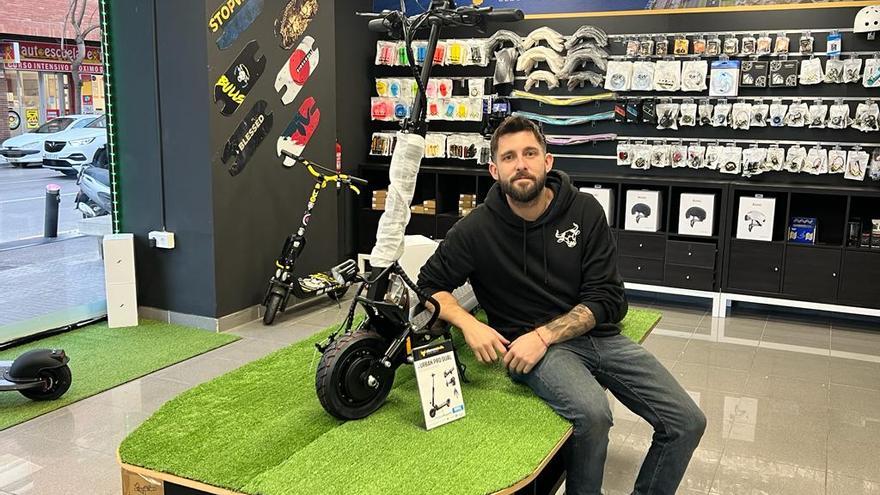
[525, 274]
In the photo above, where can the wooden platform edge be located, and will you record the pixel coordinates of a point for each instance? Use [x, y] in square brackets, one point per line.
[530, 478]
[139, 481]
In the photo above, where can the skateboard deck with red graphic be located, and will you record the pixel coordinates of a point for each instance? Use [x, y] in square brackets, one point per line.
[296, 71]
[300, 130]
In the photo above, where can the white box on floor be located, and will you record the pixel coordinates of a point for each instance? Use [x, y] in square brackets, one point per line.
[119, 280]
[755, 218]
[642, 210]
[696, 215]
[604, 196]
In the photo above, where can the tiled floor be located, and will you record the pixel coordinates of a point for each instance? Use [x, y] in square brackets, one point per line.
[793, 407]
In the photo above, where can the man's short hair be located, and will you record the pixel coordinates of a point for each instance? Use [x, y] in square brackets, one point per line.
[512, 125]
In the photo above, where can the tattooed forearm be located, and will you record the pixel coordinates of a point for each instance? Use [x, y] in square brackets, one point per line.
[578, 321]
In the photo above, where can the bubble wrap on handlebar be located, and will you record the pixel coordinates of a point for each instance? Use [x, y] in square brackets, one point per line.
[405, 161]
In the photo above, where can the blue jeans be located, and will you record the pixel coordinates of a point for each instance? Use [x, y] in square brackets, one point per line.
[570, 378]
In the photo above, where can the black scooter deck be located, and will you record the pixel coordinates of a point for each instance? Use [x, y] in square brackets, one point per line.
[6, 385]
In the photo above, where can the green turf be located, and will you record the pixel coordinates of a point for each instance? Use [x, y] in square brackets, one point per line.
[102, 358]
[260, 430]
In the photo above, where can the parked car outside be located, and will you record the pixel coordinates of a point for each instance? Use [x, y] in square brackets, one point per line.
[75, 147]
[26, 150]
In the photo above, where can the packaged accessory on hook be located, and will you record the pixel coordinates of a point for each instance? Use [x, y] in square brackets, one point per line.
[867, 114]
[586, 32]
[794, 159]
[749, 46]
[871, 77]
[646, 47]
[833, 43]
[778, 110]
[724, 78]
[838, 116]
[618, 75]
[721, 114]
[586, 53]
[783, 73]
[699, 46]
[731, 46]
[696, 156]
[435, 145]
[667, 75]
[754, 73]
[731, 160]
[763, 45]
[818, 112]
[681, 46]
[505, 61]
[775, 159]
[478, 54]
[661, 47]
[753, 159]
[500, 38]
[741, 116]
[798, 113]
[660, 155]
[873, 171]
[555, 40]
[641, 158]
[782, 43]
[760, 114]
[856, 164]
[649, 111]
[852, 70]
[531, 57]
[624, 154]
[678, 154]
[541, 76]
[713, 46]
[643, 76]
[632, 48]
[805, 44]
[836, 161]
[693, 75]
[577, 79]
[816, 162]
[811, 72]
[457, 53]
[633, 111]
[705, 111]
[714, 154]
[688, 114]
[667, 116]
[834, 71]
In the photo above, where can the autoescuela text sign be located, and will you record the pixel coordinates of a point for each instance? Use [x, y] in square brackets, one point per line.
[49, 57]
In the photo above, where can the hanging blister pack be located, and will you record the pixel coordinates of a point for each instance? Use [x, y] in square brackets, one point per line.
[386, 53]
[871, 77]
[620, 112]
[794, 159]
[618, 75]
[798, 113]
[783, 73]
[836, 161]
[667, 116]
[688, 114]
[867, 114]
[667, 75]
[632, 48]
[775, 160]
[760, 115]
[731, 46]
[678, 155]
[754, 73]
[660, 155]
[811, 72]
[834, 69]
[699, 46]
[852, 70]
[382, 143]
[642, 76]
[713, 46]
[624, 154]
[435, 145]
[782, 43]
[763, 45]
[833, 44]
[805, 44]
[646, 47]
[749, 46]
[681, 46]
[641, 157]
[693, 75]
[856, 164]
[661, 47]
[817, 112]
[714, 155]
[479, 54]
[457, 53]
[730, 160]
[633, 111]
[705, 111]
[873, 171]
[649, 111]
[696, 156]
[753, 159]
[724, 78]
[838, 116]
[778, 110]
[816, 162]
[741, 116]
[721, 114]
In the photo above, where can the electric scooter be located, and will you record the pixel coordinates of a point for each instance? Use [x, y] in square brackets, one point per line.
[283, 282]
[39, 374]
[358, 363]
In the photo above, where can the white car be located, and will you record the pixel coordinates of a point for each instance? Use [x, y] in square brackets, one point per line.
[75, 147]
[26, 150]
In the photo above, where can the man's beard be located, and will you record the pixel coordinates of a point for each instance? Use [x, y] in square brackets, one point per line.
[525, 194]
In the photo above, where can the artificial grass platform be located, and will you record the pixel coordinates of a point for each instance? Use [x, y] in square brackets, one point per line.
[260, 430]
[102, 358]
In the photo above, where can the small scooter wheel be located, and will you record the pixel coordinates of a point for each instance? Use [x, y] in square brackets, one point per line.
[272, 307]
[56, 381]
[343, 382]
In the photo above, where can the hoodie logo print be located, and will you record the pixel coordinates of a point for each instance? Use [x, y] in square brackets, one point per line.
[569, 237]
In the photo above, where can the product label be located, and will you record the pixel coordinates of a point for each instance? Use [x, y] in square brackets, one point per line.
[439, 383]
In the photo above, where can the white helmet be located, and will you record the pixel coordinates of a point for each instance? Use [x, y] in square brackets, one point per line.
[867, 20]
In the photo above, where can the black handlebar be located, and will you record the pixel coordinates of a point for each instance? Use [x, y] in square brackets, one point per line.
[505, 15]
[388, 21]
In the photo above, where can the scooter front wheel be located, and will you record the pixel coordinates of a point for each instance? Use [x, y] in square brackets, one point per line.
[348, 382]
[56, 381]
[273, 304]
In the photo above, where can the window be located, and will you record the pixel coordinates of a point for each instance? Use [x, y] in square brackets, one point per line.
[82, 123]
[54, 125]
[99, 123]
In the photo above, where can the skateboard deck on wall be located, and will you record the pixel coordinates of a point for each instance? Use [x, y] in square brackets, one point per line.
[293, 21]
[234, 85]
[233, 17]
[296, 71]
[300, 130]
[247, 136]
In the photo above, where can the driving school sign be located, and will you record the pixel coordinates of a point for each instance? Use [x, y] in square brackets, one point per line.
[49, 57]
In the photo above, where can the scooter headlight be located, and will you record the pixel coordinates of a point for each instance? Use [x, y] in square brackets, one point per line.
[397, 293]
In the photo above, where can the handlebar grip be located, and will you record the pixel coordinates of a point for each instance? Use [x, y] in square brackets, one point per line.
[378, 25]
[505, 15]
[358, 180]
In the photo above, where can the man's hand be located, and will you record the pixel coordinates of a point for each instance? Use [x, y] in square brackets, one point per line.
[484, 341]
[524, 353]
